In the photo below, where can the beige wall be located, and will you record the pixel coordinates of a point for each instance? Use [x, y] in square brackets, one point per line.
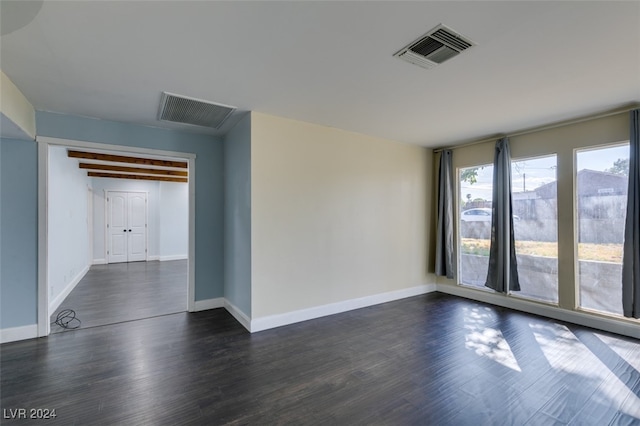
[335, 215]
[562, 141]
[16, 108]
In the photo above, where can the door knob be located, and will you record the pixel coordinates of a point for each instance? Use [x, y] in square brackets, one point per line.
[129, 230]
[124, 230]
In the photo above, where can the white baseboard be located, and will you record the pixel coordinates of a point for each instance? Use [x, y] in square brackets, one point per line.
[624, 327]
[278, 320]
[149, 259]
[221, 302]
[203, 305]
[18, 333]
[240, 316]
[55, 303]
[273, 321]
[173, 257]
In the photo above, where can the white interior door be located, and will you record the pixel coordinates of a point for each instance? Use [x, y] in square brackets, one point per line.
[137, 228]
[126, 226]
[117, 227]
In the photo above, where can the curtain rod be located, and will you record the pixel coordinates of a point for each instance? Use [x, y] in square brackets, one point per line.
[546, 127]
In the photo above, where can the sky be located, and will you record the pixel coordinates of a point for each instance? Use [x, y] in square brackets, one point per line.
[531, 173]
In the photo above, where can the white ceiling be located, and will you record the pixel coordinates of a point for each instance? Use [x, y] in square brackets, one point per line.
[331, 63]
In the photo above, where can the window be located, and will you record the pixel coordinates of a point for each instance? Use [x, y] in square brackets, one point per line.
[535, 210]
[601, 200]
[575, 211]
[475, 184]
[535, 222]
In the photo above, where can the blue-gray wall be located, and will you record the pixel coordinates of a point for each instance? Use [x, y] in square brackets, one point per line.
[19, 201]
[18, 232]
[237, 215]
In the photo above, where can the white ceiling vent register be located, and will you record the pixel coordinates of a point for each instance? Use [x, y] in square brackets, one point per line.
[435, 47]
[181, 109]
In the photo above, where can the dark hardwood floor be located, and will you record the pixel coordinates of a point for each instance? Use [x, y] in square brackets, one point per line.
[118, 292]
[428, 360]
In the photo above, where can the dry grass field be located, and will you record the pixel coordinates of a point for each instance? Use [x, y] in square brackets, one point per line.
[595, 252]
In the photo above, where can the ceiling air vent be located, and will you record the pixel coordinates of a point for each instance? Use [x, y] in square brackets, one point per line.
[435, 47]
[180, 109]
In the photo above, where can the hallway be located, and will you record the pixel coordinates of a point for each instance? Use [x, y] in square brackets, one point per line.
[120, 292]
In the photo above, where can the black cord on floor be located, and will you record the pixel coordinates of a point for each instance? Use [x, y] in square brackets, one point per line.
[66, 318]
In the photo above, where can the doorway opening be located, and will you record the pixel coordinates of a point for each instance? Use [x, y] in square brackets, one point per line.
[120, 272]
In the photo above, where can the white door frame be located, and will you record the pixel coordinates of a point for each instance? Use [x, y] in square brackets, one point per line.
[90, 220]
[44, 327]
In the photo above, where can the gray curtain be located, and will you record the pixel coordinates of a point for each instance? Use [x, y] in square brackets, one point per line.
[445, 265]
[503, 269]
[631, 255]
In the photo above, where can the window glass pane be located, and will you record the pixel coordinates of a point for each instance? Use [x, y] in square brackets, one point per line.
[535, 210]
[601, 199]
[475, 224]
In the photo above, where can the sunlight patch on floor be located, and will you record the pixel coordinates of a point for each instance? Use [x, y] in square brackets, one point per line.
[566, 353]
[486, 341]
[631, 375]
[622, 348]
[561, 348]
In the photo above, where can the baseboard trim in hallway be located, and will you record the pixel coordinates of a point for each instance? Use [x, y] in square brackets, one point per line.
[203, 305]
[14, 334]
[55, 303]
[240, 316]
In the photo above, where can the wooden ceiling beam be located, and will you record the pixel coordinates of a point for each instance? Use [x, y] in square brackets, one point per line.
[125, 159]
[137, 177]
[109, 167]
